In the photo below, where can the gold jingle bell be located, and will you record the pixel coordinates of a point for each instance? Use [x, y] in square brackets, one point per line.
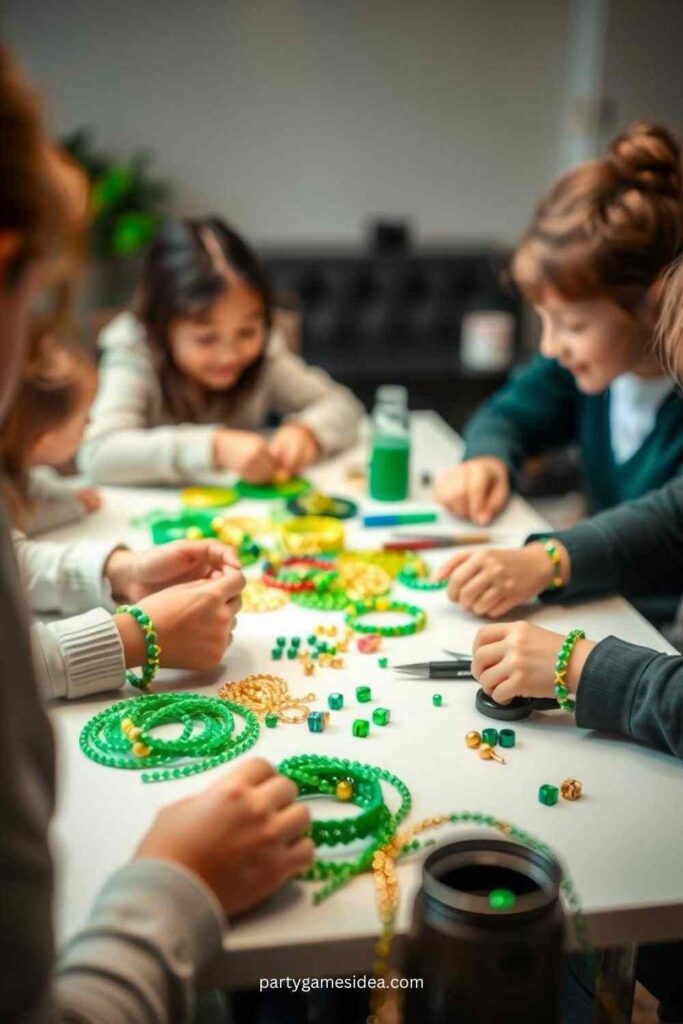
[571, 789]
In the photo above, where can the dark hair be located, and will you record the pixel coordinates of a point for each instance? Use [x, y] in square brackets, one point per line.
[181, 278]
[608, 228]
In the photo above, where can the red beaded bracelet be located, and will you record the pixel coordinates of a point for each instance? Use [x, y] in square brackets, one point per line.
[270, 572]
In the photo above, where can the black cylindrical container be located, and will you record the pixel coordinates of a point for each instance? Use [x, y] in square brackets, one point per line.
[482, 965]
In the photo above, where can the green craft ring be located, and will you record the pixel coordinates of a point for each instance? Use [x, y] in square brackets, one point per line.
[198, 498]
[272, 492]
[175, 527]
[342, 508]
[381, 604]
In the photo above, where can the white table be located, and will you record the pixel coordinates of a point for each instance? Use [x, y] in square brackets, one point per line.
[622, 842]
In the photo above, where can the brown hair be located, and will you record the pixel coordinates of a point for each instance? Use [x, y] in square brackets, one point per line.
[608, 228]
[53, 387]
[189, 265]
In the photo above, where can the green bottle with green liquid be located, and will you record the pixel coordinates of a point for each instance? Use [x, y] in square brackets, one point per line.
[389, 470]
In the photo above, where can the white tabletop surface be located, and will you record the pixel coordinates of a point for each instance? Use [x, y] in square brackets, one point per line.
[622, 842]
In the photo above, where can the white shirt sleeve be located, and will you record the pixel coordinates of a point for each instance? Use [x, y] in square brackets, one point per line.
[64, 578]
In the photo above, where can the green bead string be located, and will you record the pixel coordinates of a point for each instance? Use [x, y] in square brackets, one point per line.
[361, 608]
[206, 739]
[411, 578]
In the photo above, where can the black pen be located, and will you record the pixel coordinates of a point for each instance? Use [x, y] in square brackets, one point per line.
[456, 669]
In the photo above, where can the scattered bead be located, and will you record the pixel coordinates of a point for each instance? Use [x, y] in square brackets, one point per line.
[381, 716]
[292, 653]
[369, 644]
[490, 736]
[571, 789]
[382, 662]
[271, 720]
[336, 701]
[437, 700]
[281, 641]
[487, 753]
[473, 739]
[194, 533]
[548, 795]
[311, 640]
[361, 727]
[344, 790]
[507, 737]
[309, 668]
[318, 721]
[363, 694]
[337, 663]
[276, 654]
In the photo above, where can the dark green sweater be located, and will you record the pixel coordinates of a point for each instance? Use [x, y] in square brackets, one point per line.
[625, 688]
[541, 409]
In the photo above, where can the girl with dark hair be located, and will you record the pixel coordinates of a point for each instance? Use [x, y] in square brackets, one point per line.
[194, 370]
[591, 263]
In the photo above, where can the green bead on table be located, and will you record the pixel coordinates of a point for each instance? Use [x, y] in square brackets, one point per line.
[295, 641]
[437, 700]
[335, 701]
[360, 728]
[507, 738]
[292, 653]
[276, 654]
[548, 795]
[381, 716]
[363, 694]
[312, 640]
[317, 721]
[271, 720]
[490, 736]
[383, 662]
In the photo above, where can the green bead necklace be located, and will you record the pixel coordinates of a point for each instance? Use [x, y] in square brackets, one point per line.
[381, 604]
[123, 735]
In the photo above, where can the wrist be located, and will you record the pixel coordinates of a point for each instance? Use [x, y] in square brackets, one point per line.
[118, 570]
[149, 654]
[553, 564]
[132, 640]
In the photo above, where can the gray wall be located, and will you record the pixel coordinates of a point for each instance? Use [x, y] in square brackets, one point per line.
[301, 118]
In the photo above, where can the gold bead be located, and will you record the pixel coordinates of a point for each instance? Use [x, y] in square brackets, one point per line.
[217, 524]
[134, 733]
[126, 724]
[571, 789]
[141, 750]
[487, 753]
[344, 790]
[473, 739]
[309, 668]
[337, 663]
[193, 533]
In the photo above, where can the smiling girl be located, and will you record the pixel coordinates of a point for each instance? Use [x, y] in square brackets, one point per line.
[590, 263]
[191, 374]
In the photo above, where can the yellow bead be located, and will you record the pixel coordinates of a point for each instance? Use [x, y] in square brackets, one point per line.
[141, 750]
[382, 604]
[217, 524]
[193, 533]
[473, 739]
[126, 724]
[344, 790]
[337, 663]
[134, 733]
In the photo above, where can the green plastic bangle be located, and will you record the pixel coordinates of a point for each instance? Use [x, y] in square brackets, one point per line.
[561, 665]
[151, 666]
[291, 488]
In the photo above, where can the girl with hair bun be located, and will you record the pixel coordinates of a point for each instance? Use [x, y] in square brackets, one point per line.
[591, 263]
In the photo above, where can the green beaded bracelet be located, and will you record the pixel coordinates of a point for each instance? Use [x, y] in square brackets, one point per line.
[561, 665]
[151, 666]
[411, 578]
[382, 604]
[554, 556]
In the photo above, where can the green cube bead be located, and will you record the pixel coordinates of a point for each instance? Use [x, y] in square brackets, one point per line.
[281, 641]
[548, 795]
[361, 727]
[383, 662]
[437, 700]
[292, 653]
[271, 720]
[381, 716]
[363, 694]
[490, 736]
[336, 701]
[276, 653]
[507, 737]
[316, 721]
[295, 641]
[312, 640]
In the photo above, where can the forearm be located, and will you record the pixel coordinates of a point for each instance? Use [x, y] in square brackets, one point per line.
[158, 455]
[635, 691]
[629, 549]
[152, 932]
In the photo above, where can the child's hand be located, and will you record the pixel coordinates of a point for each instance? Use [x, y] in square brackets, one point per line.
[193, 621]
[516, 659]
[491, 581]
[244, 836]
[136, 574]
[90, 498]
[477, 489]
[246, 453]
[294, 447]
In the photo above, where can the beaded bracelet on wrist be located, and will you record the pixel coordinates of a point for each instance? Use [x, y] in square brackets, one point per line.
[561, 665]
[152, 648]
[418, 617]
[554, 556]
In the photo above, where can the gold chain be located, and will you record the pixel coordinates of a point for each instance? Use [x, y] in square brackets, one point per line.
[268, 694]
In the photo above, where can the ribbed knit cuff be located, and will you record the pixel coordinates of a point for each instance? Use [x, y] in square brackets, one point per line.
[92, 652]
[193, 449]
[84, 576]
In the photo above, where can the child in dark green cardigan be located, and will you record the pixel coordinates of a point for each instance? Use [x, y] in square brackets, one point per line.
[590, 263]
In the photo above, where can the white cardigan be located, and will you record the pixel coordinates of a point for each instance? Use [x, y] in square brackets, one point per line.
[130, 441]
